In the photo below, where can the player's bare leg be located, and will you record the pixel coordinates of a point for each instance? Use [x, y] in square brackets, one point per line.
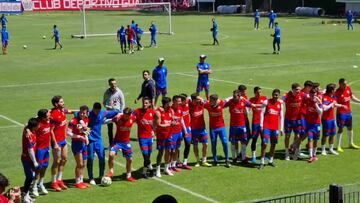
[204, 155]
[158, 162]
[79, 171]
[263, 152]
[287, 143]
[196, 153]
[111, 164]
[339, 137]
[207, 95]
[272, 152]
[351, 138]
[128, 170]
[167, 158]
[54, 168]
[64, 152]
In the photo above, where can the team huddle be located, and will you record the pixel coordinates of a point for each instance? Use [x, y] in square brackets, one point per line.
[180, 119]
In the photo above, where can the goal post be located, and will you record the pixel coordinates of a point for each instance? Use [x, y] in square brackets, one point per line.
[166, 7]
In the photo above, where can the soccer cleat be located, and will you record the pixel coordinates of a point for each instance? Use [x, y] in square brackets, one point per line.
[56, 187]
[80, 186]
[274, 52]
[354, 146]
[43, 189]
[303, 156]
[227, 164]
[186, 167]
[324, 153]
[131, 179]
[278, 52]
[339, 149]
[215, 163]
[261, 166]
[27, 199]
[92, 182]
[197, 164]
[271, 164]
[86, 184]
[312, 159]
[158, 174]
[287, 158]
[253, 160]
[333, 152]
[110, 174]
[179, 165]
[175, 169]
[315, 158]
[62, 185]
[206, 164]
[35, 192]
[168, 172]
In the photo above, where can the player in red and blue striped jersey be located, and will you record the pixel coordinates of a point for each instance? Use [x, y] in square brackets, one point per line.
[43, 139]
[124, 121]
[198, 129]
[217, 127]
[343, 96]
[164, 141]
[271, 118]
[313, 113]
[328, 119]
[258, 100]
[78, 130]
[145, 120]
[28, 158]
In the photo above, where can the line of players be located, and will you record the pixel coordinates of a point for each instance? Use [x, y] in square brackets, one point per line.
[182, 118]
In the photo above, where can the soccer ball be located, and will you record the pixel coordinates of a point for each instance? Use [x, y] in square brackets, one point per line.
[24, 46]
[106, 181]
[44, 37]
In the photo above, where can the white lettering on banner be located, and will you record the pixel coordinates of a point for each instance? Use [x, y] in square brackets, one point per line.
[10, 7]
[57, 4]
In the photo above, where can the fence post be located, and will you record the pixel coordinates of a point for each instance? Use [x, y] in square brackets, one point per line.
[336, 194]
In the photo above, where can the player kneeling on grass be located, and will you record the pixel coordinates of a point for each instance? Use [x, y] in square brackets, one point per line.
[271, 115]
[43, 139]
[313, 113]
[164, 141]
[28, 156]
[78, 130]
[124, 122]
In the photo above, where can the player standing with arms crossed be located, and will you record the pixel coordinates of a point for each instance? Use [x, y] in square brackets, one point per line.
[214, 31]
[159, 75]
[203, 82]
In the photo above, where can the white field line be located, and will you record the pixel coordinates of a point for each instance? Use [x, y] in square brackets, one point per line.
[9, 126]
[227, 68]
[157, 179]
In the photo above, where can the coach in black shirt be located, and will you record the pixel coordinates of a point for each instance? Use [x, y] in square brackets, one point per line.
[147, 88]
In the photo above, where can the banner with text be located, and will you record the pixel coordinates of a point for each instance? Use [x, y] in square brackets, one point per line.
[10, 6]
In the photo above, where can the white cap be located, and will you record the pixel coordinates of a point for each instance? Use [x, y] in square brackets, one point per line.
[202, 56]
[161, 59]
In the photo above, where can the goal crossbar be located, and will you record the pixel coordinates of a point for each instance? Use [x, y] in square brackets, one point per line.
[123, 6]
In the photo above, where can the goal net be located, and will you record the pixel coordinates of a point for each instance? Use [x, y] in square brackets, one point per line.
[105, 19]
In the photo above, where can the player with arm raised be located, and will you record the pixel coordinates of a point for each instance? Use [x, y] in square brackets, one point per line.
[121, 37]
[271, 118]
[124, 121]
[343, 96]
[203, 82]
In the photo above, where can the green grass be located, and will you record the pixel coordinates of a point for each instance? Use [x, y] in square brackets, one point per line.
[310, 50]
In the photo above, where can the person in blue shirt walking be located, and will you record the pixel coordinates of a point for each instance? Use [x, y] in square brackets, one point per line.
[272, 17]
[96, 118]
[133, 26]
[4, 40]
[349, 19]
[214, 31]
[121, 37]
[160, 78]
[153, 31]
[57, 37]
[3, 21]
[257, 19]
[276, 40]
[138, 34]
[203, 83]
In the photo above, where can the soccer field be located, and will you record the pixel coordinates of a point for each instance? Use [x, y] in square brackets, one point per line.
[310, 51]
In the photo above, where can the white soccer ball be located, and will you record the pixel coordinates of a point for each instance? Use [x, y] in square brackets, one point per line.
[106, 181]
[24, 46]
[44, 37]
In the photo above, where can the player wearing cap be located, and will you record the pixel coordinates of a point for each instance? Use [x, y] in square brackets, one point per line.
[204, 69]
[159, 75]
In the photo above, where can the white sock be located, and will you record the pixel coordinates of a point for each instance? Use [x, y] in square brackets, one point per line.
[128, 175]
[185, 161]
[311, 152]
[173, 164]
[315, 150]
[286, 152]
[233, 151]
[59, 176]
[262, 160]
[144, 170]
[78, 180]
[150, 167]
[243, 151]
[35, 183]
[254, 154]
[41, 182]
[331, 147]
[158, 168]
[323, 148]
[82, 178]
[351, 137]
[166, 166]
[271, 159]
[54, 178]
[338, 137]
[204, 159]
